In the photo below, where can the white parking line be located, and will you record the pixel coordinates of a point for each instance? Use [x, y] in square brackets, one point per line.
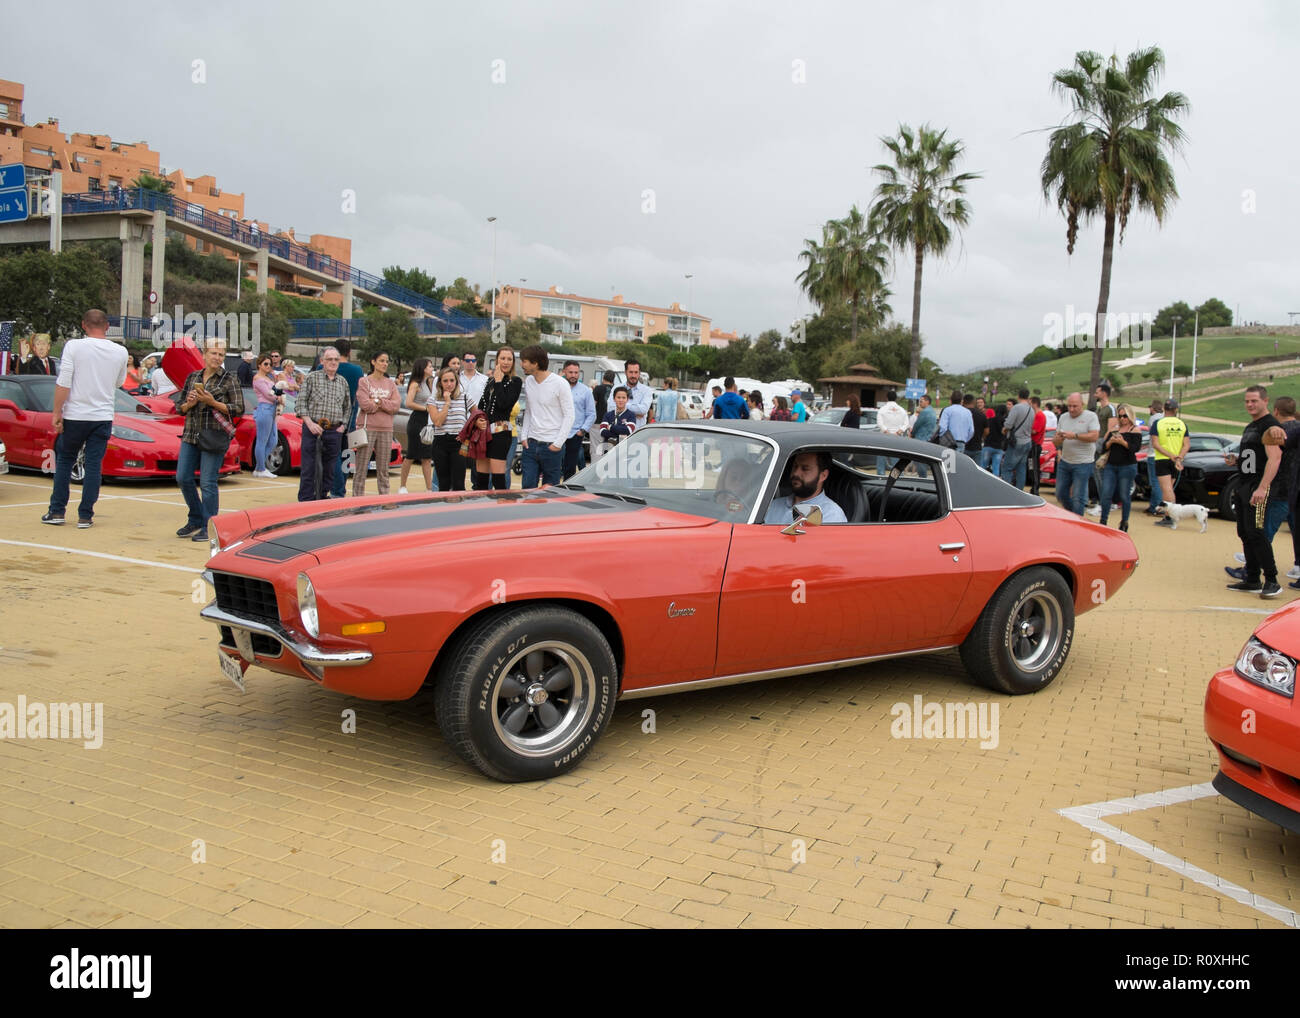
[1089, 816]
[1244, 611]
[192, 570]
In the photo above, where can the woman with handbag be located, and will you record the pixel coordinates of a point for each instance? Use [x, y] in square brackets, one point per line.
[377, 401]
[211, 399]
[418, 391]
[500, 395]
[448, 410]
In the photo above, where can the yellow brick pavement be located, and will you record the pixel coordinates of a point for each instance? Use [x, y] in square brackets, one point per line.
[784, 804]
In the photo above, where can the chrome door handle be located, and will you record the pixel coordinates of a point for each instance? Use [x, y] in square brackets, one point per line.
[954, 546]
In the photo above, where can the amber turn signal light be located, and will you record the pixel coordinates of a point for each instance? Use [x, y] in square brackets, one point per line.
[363, 628]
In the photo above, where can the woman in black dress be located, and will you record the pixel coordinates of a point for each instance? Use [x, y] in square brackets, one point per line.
[500, 395]
[418, 391]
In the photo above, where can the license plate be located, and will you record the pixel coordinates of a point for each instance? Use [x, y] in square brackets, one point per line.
[233, 669]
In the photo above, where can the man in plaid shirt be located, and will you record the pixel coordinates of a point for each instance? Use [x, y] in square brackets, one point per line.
[211, 401]
[323, 403]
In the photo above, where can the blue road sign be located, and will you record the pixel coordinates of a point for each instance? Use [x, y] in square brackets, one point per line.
[13, 206]
[12, 175]
[915, 388]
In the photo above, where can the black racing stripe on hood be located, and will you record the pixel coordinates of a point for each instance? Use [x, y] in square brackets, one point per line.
[443, 515]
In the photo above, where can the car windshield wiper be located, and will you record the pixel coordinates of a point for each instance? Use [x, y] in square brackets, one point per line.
[637, 499]
[570, 487]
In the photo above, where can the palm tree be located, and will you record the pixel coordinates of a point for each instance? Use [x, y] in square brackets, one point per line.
[857, 264]
[1111, 156]
[920, 203]
[813, 280]
[150, 182]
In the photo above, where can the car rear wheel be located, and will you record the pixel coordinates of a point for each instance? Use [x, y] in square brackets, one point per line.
[1023, 636]
[527, 693]
[278, 460]
[1228, 501]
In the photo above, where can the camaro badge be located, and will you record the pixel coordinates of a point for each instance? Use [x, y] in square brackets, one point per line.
[675, 613]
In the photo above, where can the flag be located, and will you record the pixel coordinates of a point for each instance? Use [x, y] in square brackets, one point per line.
[7, 347]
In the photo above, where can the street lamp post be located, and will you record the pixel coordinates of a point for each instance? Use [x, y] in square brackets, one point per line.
[1196, 331]
[690, 300]
[493, 219]
[1173, 356]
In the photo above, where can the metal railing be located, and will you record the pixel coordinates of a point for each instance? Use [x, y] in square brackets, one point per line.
[141, 330]
[141, 200]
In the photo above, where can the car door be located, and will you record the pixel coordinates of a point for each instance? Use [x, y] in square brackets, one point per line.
[27, 433]
[839, 591]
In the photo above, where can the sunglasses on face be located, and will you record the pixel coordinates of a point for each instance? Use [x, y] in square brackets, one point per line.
[471, 360]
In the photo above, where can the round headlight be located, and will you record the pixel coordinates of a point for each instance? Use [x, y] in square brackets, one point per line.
[214, 544]
[307, 605]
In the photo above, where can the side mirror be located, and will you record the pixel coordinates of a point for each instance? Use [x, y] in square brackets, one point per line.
[812, 518]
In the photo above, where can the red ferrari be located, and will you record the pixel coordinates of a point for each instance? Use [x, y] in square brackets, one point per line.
[143, 446]
[677, 561]
[1252, 719]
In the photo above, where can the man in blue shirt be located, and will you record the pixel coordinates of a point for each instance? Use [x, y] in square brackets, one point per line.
[956, 420]
[808, 473]
[797, 406]
[584, 416]
[639, 394]
[730, 405]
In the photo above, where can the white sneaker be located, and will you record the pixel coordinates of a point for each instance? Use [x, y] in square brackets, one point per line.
[1294, 572]
[1240, 557]
[401, 491]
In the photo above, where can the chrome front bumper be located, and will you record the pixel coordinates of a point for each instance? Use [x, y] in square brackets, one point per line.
[313, 657]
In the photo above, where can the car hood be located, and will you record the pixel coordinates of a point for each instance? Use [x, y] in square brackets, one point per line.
[1281, 630]
[385, 525]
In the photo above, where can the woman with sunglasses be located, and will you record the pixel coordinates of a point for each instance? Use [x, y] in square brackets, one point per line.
[1123, 440]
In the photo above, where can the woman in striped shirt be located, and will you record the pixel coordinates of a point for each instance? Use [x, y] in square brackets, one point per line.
[448, 411]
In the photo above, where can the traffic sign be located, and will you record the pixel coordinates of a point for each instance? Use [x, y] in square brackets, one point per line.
[915, 388]
[13, 206]
[12, 175]
[153, 296]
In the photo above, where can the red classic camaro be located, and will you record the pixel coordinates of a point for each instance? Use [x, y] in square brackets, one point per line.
[654, 571]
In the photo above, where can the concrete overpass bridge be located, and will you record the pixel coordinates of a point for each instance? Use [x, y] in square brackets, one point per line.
[136, 215]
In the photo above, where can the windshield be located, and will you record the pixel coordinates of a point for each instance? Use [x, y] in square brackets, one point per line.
[702, 472]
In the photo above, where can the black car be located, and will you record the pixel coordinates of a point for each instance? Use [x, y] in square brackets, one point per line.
[1206, 478]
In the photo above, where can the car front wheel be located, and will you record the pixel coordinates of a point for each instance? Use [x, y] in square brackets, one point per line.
[1023, 636]
[527, 694]
[1228, 501]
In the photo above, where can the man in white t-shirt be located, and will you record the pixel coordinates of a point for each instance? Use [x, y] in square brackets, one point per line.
[891, 419]
[1050, 427]
[549, 420]
[91, 371]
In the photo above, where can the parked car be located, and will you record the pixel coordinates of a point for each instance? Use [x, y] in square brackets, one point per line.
[1207, 479]
[1252, 719]
[527, 654]
[833, 415]
[142, 445]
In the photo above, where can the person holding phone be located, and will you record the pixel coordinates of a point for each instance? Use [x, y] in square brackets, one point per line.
[1121, 444]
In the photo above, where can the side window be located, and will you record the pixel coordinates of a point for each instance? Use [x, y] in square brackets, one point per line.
[13, 391]
[860, 483]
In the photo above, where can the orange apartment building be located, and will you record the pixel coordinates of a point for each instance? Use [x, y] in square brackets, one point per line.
[609, 320]
[95, 162]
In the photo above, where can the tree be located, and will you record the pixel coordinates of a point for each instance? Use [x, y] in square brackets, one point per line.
[47, 292]
[272, 324]
[848, 266]
[1164, 320]
[919, 204]
[765, 360]
[661, 339]
[1111, 156]
[1214, 314]
[390, 331]
[462, 291]
[151, 182]
[1039, 354]
[415, 279]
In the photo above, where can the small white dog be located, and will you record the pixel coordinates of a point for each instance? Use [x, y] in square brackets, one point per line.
[1186, 512]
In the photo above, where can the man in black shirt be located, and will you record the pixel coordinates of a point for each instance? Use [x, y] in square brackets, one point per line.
[601, 394]
[975, 445]
[1257, 463]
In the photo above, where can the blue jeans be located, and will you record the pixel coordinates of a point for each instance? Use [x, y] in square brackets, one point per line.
[538, 458]
[77, 435]
[329, 443]
[991, 460]
[510, 460]
[1072, 480]
[1014, 464]
[267, 437]
[1157, 499]
[208, 464]
[1117, 481]
[1276, 512]
[339, 486]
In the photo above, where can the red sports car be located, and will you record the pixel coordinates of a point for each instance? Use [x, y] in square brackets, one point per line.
[142, 446]
[676, 561]
[1252, 718]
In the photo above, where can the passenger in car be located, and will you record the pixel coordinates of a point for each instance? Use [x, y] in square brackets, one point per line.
[808, 473]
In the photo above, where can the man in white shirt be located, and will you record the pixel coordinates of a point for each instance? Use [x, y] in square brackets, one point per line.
[891, 419]
[549, 420]
[638, 393]
[91, 371]
[808, 473]
[472, 381]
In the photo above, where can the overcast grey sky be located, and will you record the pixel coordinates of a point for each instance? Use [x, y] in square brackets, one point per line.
[698, 102]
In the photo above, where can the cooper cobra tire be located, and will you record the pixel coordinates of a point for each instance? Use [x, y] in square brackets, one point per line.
[1023, 636]
[527, 693]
